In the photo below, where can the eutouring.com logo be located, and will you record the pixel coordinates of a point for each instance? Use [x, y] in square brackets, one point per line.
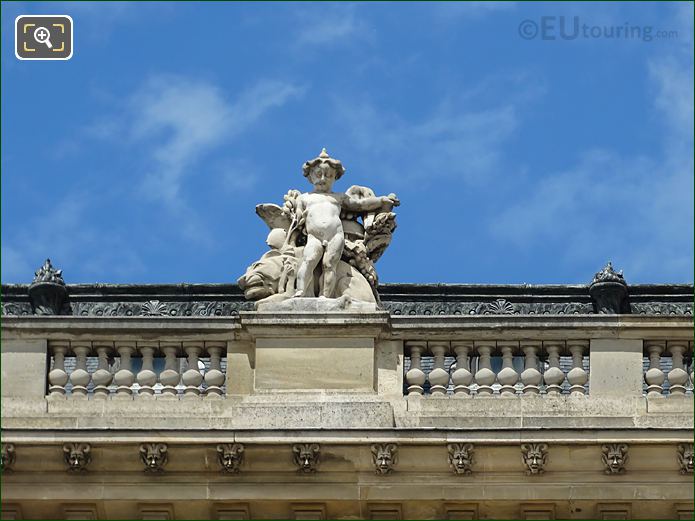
[572, 28]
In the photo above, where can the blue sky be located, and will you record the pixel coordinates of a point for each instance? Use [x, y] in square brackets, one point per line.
[517, 160]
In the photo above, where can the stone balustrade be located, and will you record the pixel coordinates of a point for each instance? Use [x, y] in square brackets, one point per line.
[126, 370]
[508, 368]
[668, 367]
[503, 368]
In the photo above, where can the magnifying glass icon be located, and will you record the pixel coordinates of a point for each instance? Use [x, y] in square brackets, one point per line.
[43, 35]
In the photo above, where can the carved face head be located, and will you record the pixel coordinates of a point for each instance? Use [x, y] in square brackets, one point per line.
[615, 460]
[7, 456]
[153, 460]
[261, 278]
[535, 461]
[322, 176]
[461, 460]
[688, 459]
[535, 455]
[306, 456]
[306, 459]
[384, 458]
[154, 456]
[230, 456]
[77, 456]
[228, 460]
[76, 459]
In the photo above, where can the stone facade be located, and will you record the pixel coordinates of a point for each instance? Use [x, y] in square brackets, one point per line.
[313, 392]
[459, 402]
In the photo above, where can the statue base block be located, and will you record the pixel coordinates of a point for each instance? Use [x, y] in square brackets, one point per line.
[318, 305]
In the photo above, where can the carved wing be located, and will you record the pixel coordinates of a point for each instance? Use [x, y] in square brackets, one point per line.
[272, 215]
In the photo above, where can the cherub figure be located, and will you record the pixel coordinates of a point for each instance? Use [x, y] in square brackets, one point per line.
[320, 212]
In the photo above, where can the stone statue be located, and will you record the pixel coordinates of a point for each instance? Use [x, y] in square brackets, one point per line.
[323, 244]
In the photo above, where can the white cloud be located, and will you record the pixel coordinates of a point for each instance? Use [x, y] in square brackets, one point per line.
[455, 11]
[463, 137]
[179, 120]
[326, 23]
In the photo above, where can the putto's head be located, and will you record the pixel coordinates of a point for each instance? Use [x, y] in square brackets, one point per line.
[323, 171]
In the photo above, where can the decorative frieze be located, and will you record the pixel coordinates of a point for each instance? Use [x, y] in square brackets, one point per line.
[156, 301]
[231, 309]
[306, 457]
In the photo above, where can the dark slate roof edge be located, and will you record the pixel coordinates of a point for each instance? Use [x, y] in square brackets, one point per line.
[389, 291]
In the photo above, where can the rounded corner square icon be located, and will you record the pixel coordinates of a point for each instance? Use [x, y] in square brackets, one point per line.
[43, 37]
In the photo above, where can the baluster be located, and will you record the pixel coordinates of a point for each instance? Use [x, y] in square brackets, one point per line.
[531, 377]
[654, 376]
[553, 376]
[79, 378]
[124, 377]
[102, 377]
[438, 377]
[677, 376]
[192, 377]
[214, 377]
[170, 376]
[577, 376]
[484, 376]
[57, 377]
[415, 377]
[507, 376]
[147, 378]
[462, 376]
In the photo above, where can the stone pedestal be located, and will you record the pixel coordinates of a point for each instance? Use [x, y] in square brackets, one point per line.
[310, 352]
[319, 305]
